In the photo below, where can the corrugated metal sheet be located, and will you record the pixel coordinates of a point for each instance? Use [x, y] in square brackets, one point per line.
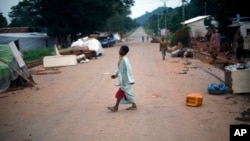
[28, 41]
[195, 19]
[15, 30]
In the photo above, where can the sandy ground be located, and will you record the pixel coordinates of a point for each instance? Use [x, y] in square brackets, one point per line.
[71, 105]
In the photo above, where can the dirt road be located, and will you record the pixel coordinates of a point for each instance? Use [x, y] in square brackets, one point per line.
[71, 105]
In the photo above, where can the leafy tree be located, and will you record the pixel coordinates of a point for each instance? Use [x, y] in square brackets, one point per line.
[228, 9]
[64, 17]
[25, 13]
[174, 22]
[120, 23]
[3, 20]
[182, 35]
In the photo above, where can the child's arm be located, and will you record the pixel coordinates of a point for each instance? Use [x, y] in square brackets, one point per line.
[115, 74]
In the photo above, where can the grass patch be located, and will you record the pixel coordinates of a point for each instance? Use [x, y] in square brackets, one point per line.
[32, 55]
[149, 31]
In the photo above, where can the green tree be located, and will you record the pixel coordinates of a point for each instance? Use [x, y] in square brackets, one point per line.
[120, 23]
[64, 17]
[3, 21]
[25, 13]
[182, 35]
[228, 10]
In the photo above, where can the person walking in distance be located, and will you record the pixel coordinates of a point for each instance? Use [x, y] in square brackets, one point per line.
[125, 93]
[142, 38]
[163, 48]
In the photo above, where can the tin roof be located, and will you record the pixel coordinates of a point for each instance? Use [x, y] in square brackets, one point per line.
[19, 35]
[15, 30]
[195, 19]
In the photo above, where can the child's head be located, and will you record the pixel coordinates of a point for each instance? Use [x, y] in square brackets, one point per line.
[123, 50]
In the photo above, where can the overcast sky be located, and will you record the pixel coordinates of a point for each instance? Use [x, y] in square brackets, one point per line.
[140, 7]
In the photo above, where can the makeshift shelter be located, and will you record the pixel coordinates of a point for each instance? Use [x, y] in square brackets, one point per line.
[244, 28]
[12, 66]
[28, 41]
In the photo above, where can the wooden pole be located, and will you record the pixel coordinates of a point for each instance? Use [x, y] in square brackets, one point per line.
[17, 71]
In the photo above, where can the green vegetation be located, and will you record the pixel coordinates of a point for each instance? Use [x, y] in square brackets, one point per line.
[37, 54]
[3, 20]
[149, 31]
[221, 10]
[74, 17]
[182, 35]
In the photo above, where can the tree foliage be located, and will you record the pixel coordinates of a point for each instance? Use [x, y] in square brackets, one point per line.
[68, 17]
[192, 9]
[182, 35]
[3, 21]
[120, 23]
[222, 10]
[228, 9]
[25, 14]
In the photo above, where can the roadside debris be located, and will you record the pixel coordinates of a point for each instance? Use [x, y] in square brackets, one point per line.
[245, 115]
[45, 71]
[57, 61]
[184, 72]
[216, 89]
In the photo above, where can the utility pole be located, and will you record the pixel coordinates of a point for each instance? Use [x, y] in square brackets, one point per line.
[183, 11]
[158, 24]
[165, 15]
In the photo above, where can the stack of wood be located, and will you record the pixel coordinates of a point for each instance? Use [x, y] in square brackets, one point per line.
[78, 51]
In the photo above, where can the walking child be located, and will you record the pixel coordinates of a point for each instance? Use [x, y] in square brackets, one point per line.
[125, 93]
[163, 48]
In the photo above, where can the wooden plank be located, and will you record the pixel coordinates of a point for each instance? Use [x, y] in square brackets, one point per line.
[17, 54]
[57, 61]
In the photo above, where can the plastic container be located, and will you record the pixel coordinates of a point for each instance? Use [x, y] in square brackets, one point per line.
[216, 88]
[194, 99]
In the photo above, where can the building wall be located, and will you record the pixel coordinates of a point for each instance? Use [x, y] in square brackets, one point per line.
[198, 29]
[26, 43]
[245, 30]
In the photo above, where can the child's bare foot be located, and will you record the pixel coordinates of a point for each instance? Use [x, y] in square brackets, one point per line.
[132, 108]
[113, 109]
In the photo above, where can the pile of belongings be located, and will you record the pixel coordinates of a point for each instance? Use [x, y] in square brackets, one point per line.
[90, 43]
[218, 89]
[184, 52]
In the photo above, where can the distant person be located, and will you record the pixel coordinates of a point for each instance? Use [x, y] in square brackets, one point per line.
[142, 38]
[240, 47]
[214, 44]
[147, 38]
[125, 94]
[163, 48]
